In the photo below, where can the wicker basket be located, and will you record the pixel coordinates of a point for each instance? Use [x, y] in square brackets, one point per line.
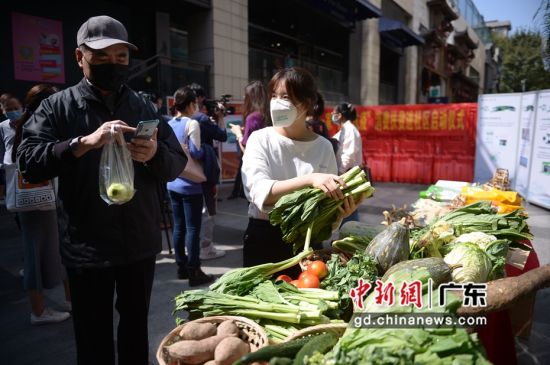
[251, 332]
[336, 328]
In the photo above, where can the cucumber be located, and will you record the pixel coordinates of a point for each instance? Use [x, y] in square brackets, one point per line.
[439, 271]
[280, 361]
[286, 349]
[322, 343]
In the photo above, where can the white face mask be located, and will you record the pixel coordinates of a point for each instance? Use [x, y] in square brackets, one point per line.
[283, 113]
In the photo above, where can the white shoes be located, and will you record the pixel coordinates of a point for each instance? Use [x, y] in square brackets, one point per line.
[66, 306]
[49, 316]
[210, 252]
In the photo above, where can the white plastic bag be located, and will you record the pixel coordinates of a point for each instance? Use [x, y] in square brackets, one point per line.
[116, 171]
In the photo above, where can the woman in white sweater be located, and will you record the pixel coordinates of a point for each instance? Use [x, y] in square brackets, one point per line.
[350, 150]
[350, 147]
[283, 158]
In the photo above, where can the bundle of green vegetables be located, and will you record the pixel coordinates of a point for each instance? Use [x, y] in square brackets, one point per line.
[279, 302]
[476, 217]
[242, 280]
[310, 209]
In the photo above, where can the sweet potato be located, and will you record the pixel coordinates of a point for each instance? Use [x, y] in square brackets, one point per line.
[230, 350]
[504, 293]
[197, 331]
[194, 352]
[228, 328]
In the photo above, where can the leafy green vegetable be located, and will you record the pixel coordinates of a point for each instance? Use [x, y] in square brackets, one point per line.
[381, 346]
[240, 281]
[469, 263]
[304, 208]
[476, 217]
[342, 278]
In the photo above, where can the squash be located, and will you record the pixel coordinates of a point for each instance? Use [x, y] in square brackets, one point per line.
[390, 246]
[359, 229]
[438, 270]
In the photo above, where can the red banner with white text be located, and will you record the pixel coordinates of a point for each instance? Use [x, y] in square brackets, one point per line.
[419, 143]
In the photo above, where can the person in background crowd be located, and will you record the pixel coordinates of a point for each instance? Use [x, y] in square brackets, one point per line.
[212, 129]
[316, 124]
[350, 150]
[43, 268]
[281, 159]
[107, 248]
[315, 121]
[185, 195]
[255, 116]
[3, 98]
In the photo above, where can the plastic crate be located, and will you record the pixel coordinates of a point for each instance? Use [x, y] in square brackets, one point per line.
[380, 166]
[413, 169]
[452, 167]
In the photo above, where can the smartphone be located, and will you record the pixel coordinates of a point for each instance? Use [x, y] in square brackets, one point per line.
[146, 128]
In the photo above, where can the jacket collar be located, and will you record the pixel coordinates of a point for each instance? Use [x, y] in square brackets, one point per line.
[89, 93]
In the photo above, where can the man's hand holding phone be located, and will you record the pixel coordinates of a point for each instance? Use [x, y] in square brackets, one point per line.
[144, 144]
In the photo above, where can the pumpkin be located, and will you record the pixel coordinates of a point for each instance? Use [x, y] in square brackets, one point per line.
[390, 246]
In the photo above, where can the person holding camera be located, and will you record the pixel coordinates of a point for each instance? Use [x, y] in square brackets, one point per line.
[212, 129]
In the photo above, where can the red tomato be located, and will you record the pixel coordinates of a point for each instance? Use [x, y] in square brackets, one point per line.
[302, 274]
[295, 283]
[286, 278]
[318, 268]
[308, 280]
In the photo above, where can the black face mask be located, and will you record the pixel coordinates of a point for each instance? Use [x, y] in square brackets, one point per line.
[108, 76]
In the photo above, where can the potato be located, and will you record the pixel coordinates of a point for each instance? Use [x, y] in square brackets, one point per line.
[187, 351]
[228, 328]
[194, 352]
[197, 331]
[230, 350]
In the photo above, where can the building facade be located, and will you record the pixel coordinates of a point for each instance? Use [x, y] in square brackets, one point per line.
[368, 52]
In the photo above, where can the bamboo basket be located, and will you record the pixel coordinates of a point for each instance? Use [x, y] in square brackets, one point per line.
[337, 329]
[250, 332]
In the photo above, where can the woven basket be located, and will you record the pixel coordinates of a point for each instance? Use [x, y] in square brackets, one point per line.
[337, 329]
[250, 332]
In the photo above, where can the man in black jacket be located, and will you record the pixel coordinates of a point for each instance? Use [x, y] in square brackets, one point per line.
[104, 247]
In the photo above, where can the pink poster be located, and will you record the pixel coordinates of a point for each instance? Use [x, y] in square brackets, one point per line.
[37, 49]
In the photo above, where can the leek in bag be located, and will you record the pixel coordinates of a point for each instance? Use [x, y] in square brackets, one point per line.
[116, 171]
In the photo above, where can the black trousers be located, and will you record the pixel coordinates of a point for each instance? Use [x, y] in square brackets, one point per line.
[263, 243]
[92, 294]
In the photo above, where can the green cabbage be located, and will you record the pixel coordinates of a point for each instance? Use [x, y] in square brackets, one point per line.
[469, 263]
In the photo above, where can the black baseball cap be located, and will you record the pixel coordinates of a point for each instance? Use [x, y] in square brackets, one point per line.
[102, 31]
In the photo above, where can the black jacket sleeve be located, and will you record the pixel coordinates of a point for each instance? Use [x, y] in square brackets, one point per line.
[42, 154]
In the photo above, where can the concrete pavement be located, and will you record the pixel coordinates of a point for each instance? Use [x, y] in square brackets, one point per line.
[22, 344]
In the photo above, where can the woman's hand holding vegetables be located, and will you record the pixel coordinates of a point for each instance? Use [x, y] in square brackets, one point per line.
[350, 205]
[330, 184]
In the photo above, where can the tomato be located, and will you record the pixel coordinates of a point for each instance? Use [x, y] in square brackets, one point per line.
[303, 273]
[308, 280]
[286, 278]
[295, 283]
[318, 268]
